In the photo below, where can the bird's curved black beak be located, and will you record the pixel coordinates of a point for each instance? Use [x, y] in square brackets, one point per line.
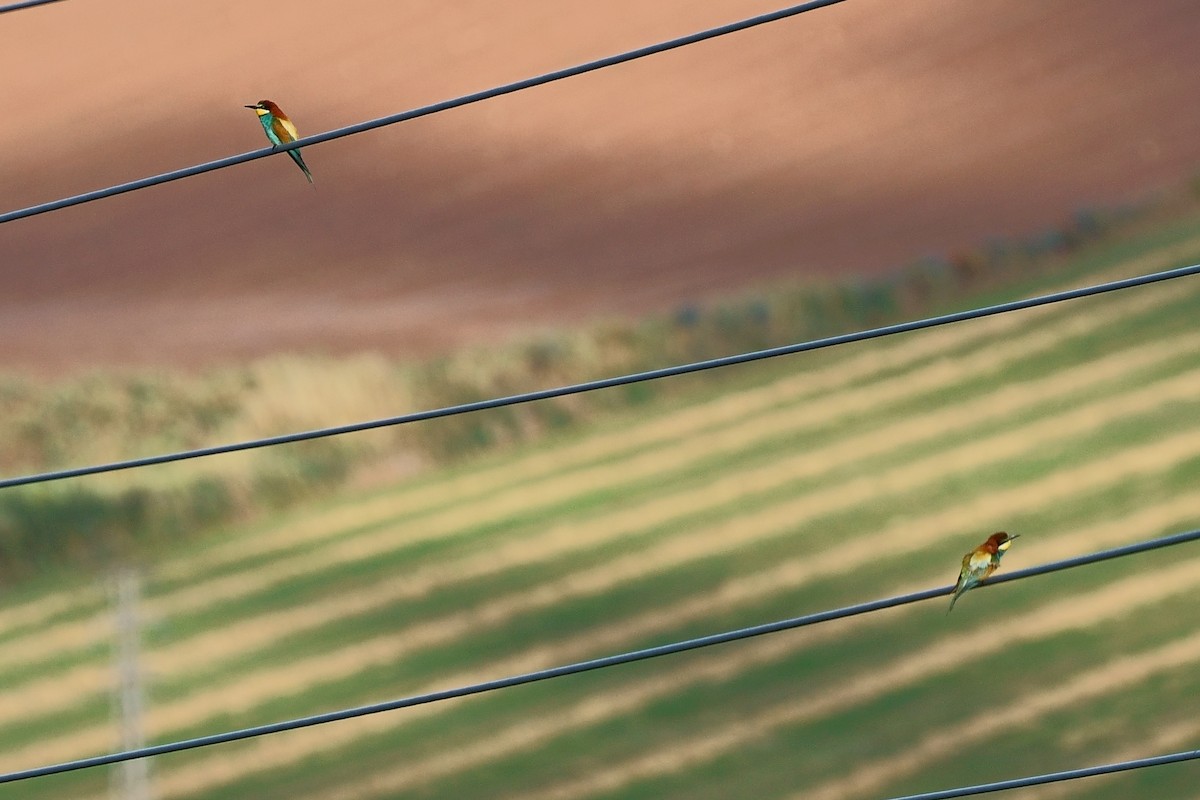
[253, 106]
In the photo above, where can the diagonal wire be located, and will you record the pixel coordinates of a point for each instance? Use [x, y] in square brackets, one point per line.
[26, 4]
[1054, 777]
[444, 105]
[587, 666]
[607, 383]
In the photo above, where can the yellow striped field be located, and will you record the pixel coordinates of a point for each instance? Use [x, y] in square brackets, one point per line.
[818, 481]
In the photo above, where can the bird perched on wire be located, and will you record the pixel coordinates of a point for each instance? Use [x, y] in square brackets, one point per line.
[280, 130]
[981, 562]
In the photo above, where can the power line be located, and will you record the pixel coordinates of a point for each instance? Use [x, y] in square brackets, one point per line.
[632, 656]
[1053, 777]
[587, 666]
[26, 4]
[608, 383]
[444, 105]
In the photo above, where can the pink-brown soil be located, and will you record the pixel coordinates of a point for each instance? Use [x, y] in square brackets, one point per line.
[844, 141]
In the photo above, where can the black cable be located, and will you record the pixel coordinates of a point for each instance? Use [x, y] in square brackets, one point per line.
[404, 116]
[26, 4]
[607, 383]
[586, 666]
[1053, 777]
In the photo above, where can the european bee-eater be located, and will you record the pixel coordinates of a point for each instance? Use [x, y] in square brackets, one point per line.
[981, 562]
[280, 130]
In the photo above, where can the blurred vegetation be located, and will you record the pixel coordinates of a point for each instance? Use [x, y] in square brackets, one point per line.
[105, 416]
[740, 496]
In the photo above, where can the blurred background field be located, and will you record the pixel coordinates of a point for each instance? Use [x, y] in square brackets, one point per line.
[85, 418]
[788, 487]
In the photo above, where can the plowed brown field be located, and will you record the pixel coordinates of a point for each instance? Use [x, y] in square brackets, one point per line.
[843, 141]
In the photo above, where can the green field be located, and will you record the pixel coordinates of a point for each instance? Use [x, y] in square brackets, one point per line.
[804, 484]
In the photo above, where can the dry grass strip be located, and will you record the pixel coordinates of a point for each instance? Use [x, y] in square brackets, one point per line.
[248, 690]
[1165, 740]
[941, 658]
[795, 572]
[308, 526]
[519, 479]
[1015, 713]
[258, 632]
[750, 430]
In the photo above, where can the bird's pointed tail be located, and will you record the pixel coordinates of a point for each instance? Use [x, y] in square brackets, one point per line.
[953, 600]
[295, 154]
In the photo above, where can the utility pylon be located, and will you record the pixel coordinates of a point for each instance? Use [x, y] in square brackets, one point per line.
[131, 779]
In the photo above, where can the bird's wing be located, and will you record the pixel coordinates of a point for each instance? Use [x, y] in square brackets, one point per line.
[978, 561]
[285, 129]
[965, 571]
